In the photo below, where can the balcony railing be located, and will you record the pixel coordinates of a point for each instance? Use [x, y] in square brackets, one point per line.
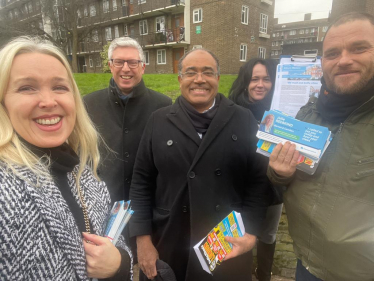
[175, 35]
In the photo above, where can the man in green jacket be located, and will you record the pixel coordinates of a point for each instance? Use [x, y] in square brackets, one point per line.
[331, 213]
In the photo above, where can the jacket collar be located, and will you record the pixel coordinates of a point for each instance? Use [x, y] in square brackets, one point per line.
[114, 93]
[225, 111]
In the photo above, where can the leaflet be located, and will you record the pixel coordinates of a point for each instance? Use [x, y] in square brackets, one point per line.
[213, 248]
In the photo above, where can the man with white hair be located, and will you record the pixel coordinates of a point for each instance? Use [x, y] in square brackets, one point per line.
[120, 113]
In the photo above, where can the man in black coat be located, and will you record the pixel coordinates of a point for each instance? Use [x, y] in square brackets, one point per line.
[120, 113]
[196, 163]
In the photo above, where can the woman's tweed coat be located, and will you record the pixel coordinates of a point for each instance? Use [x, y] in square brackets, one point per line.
[39, 239]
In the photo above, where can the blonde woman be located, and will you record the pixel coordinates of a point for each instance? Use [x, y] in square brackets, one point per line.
[53, 207]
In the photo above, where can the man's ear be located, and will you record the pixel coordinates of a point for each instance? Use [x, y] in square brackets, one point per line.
[180, 81]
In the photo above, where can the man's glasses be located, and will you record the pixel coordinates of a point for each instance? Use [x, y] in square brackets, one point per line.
[130, 63]
[194, 74]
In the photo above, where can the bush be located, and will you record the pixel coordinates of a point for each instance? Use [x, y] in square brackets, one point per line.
[104, 58]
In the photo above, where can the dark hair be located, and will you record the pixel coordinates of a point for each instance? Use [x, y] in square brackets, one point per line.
[194, 50]
[349, 17]
[241, 83]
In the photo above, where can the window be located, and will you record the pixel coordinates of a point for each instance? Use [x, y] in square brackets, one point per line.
[276, 43]
[146, 57]
[197, 47]
[281, 43]
[125, 30]
[261, 52]
[282, 33]
[141, 1]
[245, 14]
[114, 3]
[301, 31]
[161, 56]
[243, 52]
[85, 11]
[90, 61]
[98, 61]
[324, 29]
[263, 23]
[95, 35]
[273, 43]
[92, 10]
[160, 24]
[197, 15]
[143, 27]
[276, 53]
[24, 9]
[79, 14]
[116, 31]
[272, 53]
[323, 37]
[311, 52]
[292, 32]
[306, 31]
[312, 30]
[10, 15]
[277, 34]
[273, 34]
[124, 2]
[41, 25]
[16, 13]
[105, 6]
[108, 33]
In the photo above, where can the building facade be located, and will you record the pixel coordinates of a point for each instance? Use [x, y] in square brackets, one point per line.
[299, 38]
[234, 30]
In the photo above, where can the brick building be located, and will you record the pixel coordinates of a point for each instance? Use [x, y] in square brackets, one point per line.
[235, 30]
[299, 38]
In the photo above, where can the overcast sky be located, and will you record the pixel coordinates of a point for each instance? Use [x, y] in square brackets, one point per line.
[294, 10]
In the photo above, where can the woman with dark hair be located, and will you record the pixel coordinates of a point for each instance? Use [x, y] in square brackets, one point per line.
[253, 89]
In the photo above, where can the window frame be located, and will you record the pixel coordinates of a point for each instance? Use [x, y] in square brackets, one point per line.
[146, 57]
[108, 31]
[264, 20]
[114, 5]
[243, 52]
[105, 6]
[90, 61]
[262, 52]
[161, 51]
[245, 14]
[92, 10]
[142, 27]
[116, 31]
[160, 30]
[199, 13]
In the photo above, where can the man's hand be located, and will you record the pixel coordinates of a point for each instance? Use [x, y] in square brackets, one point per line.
[283, 159]
[103, 258]
[147, 256]
[240, 245]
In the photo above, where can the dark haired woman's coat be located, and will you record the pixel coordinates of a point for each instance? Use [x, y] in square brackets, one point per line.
[183, 186]
[39, 239]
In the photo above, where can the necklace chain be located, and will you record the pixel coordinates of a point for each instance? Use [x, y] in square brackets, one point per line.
[83, 203]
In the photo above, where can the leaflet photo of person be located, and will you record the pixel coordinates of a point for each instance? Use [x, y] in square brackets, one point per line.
[267, 124]
[253, 89]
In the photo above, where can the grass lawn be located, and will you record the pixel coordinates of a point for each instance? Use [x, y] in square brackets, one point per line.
[163, 83]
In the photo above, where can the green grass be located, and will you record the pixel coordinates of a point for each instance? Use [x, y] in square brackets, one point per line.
[163, 83]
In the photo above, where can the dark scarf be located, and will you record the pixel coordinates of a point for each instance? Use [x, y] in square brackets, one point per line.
[114, 87]
[257, 108]
[336, 108]
[63, 160]
[200, 121]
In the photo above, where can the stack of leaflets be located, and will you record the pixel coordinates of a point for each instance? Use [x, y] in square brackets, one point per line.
[119, 217]
[213, 248]
[310, 140]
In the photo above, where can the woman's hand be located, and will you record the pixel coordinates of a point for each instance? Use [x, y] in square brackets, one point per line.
[240, 245]
[103, 258]
[283, 159]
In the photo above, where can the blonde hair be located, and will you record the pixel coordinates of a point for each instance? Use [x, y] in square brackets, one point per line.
[83, 139]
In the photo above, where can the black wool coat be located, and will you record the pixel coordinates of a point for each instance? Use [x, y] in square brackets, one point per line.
[121, 124]
[183, 186]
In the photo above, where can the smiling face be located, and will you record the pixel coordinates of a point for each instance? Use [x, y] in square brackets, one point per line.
[126, 78]
[39, 100]
[199, 91]
[260, 84]
[348, 56]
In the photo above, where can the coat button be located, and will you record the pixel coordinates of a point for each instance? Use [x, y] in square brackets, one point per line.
[234, 137]
[184, 209]
[218, 207]
[126, 131]
[126, 154]
[116, 102]
[191, 175]
[218, 172]
[169, 142]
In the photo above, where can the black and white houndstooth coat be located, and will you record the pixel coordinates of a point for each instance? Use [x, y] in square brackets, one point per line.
[39, 239]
